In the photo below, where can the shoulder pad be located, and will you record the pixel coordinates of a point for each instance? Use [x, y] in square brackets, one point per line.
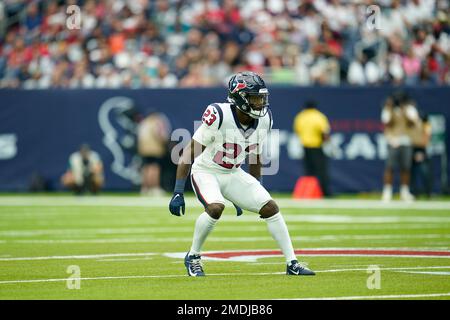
[213, 116]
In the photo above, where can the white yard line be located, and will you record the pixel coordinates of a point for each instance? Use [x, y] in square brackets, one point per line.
[89, 278]
[209, 275]
[175, 255]
[178, 229]
[393, 296]
[319, 218]
[251, 217]
[86, 256]
[434, 273]
[192, 202]
[125, 259]
[385, 269]
[137, 277]
[378, 237]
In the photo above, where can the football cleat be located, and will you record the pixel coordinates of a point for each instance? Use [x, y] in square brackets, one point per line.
[193, 265]
[295, 269]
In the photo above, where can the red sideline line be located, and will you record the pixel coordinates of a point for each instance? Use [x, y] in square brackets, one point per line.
[330, 252]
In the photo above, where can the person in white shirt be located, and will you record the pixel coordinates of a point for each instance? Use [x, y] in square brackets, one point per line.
[399, 117]
[85, 172]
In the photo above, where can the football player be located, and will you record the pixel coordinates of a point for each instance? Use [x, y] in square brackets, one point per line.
[228, 134]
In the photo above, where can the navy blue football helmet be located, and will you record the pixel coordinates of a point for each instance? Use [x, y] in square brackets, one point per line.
[248, 92]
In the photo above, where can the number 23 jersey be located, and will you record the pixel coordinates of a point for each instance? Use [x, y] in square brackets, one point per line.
[227, 142]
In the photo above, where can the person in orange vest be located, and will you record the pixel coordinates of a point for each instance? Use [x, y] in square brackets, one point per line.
[313, 130]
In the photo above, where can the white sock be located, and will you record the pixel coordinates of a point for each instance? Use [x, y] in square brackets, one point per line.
[278, 229]
[203, 226]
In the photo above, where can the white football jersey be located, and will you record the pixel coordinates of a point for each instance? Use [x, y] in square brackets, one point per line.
[227, 143]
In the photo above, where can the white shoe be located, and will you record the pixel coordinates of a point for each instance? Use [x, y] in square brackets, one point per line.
[387, 194]
[156, 192]
[407, 196]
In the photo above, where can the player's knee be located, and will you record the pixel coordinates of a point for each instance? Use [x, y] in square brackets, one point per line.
[215, 210]
[269, 209]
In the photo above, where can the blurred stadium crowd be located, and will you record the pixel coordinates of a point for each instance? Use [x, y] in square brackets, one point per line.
[197, 43]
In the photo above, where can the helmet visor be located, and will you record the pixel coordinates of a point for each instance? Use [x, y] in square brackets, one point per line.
[258, 101]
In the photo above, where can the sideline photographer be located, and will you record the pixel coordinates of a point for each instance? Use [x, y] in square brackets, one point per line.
[85, 172]
[399, 116]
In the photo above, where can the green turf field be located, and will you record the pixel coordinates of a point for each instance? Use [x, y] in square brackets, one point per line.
[130, 248]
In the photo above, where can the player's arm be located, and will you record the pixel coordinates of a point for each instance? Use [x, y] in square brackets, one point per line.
[203, 136]
[190, 152]
[428, 132]
[411, 113]
[386, 114]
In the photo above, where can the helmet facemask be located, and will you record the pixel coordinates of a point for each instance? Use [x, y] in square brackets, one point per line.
[256, 104]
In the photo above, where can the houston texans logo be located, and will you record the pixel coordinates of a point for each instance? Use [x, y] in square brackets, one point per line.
[239, 86]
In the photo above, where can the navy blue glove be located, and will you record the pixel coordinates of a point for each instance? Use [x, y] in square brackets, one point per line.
[177, 203]
[238, 210]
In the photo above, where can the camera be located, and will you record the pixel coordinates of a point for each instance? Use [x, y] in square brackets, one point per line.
[399, 98]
